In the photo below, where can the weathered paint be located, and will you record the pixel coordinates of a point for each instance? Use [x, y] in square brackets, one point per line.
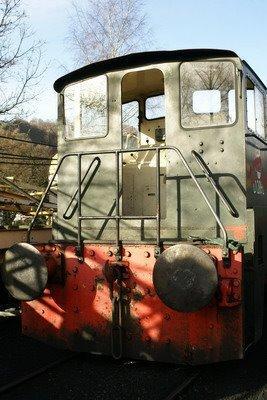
[77, 313]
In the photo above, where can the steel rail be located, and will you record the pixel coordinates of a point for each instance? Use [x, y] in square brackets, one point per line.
[33, 374]
[180, 388]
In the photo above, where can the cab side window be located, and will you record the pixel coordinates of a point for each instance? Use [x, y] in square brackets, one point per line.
[255, 109]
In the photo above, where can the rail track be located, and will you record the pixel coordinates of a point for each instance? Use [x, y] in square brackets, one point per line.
[182, 387]
[27, 366]
[172, 395]
[32, 370]
[19, 381]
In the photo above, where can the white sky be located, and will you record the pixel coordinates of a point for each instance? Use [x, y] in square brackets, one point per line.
[49, 20]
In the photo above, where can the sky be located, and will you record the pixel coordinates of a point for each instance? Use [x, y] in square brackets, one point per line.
[238, 25]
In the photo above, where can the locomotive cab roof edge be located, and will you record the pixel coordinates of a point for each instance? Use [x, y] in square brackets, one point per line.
[135, 60]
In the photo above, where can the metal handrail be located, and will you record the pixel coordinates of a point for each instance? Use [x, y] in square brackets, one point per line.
[118, 216]
[98, 162]
[210, 178]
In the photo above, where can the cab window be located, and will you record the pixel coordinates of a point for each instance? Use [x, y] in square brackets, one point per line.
[207, 94]
[85, 108]
[255, 109]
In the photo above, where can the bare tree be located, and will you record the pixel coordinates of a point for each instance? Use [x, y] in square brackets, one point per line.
[102, 29]
[20, 59]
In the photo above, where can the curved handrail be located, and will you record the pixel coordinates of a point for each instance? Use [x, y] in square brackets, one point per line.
[209, 176]
[98, 162]
[121, 151]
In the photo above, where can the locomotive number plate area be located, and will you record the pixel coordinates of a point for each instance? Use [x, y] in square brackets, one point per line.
[110, 307]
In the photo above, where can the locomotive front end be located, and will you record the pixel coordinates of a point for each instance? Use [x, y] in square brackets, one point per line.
[152, 229]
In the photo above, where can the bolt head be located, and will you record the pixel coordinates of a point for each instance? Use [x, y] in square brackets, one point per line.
[147, 254]
[236, 283]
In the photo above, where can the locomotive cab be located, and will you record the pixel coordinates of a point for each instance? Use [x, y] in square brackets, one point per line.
[159, 240]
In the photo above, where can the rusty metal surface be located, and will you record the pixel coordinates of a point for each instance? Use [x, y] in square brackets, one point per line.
[185, 277]
[77, 313]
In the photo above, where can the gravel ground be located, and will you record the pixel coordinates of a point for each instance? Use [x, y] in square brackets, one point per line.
[98, 378]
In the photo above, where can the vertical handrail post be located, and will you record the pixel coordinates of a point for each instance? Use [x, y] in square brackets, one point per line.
[117, 155]
[79, 208]
[158, 194]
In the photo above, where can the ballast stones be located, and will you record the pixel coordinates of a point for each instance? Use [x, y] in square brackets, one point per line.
[185, 277]
[24, 272]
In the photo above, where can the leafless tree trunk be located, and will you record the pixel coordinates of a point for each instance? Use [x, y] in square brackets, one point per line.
[20, 59]
[105, 29]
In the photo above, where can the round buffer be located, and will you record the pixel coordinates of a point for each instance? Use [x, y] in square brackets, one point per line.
[24, 272]
[185, 277]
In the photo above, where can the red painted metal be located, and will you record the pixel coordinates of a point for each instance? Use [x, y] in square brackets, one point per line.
[76, 311]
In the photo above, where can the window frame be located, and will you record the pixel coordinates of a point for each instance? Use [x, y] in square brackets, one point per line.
[236, 95]
[255, 82]
[150, 97]
[68, 139]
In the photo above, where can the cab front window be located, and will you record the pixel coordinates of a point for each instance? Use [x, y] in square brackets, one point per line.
[85, 106]
[207, 93]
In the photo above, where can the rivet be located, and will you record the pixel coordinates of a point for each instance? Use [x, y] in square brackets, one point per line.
[128, 254]
[236, 283]
[211, 326]
[75, 309]
[75, 269]
[222, 141]
[201, 144]
[109, 253]
[236, 296]
[235, 271]
[167, 317]
[201, 151]
[147, 339]
[116, 251]
[91, 253]
[53, 248]
[75, 287]
[147, 254]
[222, 149]
[207, 251]
[43, 311]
